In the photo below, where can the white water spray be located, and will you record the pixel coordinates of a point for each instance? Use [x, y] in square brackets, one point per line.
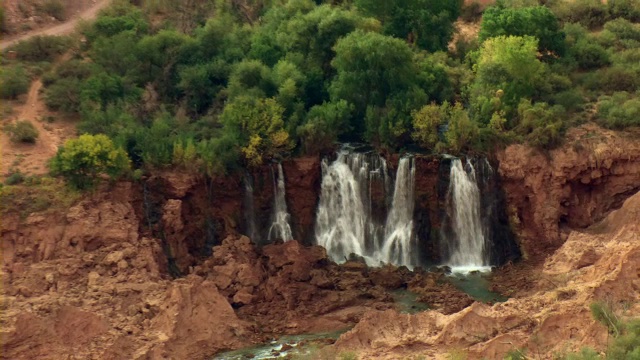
[399, 245]
[280, 228]
[467, 244]
[345, 223]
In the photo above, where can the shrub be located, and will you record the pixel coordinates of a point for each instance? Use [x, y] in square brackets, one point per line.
[628, 9]
[64, 95]
[590, 13]
[461, 130]
[22, 131]
[541, 125]
[589, 54]
[623, 29]
[426, 124]
[612, 79]
[14, 178]
[41, 48]
[13, 82]
[81, 161]
[619, 111]
[324, 124]
[53, 8]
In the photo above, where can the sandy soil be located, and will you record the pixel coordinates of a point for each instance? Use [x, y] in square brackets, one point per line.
[60, 29]
[32, 158]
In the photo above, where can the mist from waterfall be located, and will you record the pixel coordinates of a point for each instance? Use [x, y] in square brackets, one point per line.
[280, 228]
[465, 247]
[346, 223]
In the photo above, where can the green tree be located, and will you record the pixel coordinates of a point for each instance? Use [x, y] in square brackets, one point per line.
[324, 124]
[371, 68]
[535, 21]
[258, 128]
[426, 123]
[427, 23]
[508, 70]
[461, 130]
[81, 161]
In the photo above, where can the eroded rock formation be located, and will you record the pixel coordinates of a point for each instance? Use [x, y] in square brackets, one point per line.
[570, 187]
[601, 263]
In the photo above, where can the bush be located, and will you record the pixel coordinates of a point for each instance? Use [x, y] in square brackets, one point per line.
[13, 82]
[623, 29]
[81, 161]
[590, 13]
[15, 178]
[64, 95]
[628, 9]
[619, 111]
[53, 8]
[22, 131]
[541, 126]
[589, 55]
[41, 48]
[612, 79]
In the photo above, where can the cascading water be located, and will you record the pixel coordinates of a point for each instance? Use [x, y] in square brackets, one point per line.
[347, 222]
[465, 247]
[280, 228]
[399, 245]
[249, 210]
[341, 218]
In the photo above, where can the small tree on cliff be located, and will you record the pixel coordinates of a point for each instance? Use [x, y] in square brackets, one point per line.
[81, 161]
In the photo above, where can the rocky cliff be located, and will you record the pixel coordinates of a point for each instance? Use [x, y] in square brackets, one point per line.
[93, 281]
[571, 187]
[601, 263]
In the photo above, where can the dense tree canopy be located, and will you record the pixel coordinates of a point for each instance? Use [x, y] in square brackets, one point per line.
[239, 83]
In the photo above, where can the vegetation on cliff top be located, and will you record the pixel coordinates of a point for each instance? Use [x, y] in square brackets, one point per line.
[232, 83]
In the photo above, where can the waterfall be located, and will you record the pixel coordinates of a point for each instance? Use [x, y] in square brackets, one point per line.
[280, 228]
[398, 247]
[348, 222]
[465, 247]
[341, 218]
[251, 229]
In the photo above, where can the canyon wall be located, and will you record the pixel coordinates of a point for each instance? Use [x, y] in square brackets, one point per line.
[570, 187]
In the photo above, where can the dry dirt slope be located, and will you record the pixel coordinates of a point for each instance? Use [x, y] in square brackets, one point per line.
[76, 10]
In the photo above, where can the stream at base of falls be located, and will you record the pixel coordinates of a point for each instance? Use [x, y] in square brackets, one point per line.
[284, 347]
[474, 283]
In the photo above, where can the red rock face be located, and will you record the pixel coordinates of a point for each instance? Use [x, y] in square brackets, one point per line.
[303, 177]
[572, 187]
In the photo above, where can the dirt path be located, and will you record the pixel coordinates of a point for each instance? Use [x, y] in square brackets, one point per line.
[62, 29]
[32, 158]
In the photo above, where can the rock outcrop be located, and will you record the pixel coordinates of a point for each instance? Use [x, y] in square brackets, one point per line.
[571, 187]
[601, 263]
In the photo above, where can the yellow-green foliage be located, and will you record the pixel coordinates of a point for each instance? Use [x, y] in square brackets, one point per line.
[82, 160]
[259, 127]
[185, 155]
[426, 122]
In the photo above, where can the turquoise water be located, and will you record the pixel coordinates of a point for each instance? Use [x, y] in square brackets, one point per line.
[477, 285]
[407, 302]
[299, 345]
